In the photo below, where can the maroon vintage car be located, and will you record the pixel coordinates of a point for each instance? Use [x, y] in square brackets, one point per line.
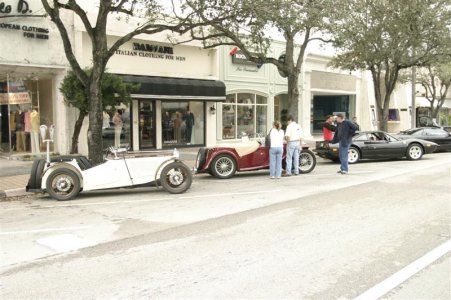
[224, 160]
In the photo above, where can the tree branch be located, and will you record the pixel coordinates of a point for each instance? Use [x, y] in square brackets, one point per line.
[55, 17]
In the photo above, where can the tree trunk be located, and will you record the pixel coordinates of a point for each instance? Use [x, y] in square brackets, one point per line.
[293, 96]
[77, 129]
[95, 141]
[382, 117]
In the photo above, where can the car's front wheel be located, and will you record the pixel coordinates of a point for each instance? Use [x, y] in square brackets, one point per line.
[414, 152]
[307, 161]
[176, 178]
[63, 184]
[353, 155]
[223, 166]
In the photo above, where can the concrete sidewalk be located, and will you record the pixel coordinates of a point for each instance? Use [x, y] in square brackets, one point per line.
[14, 174]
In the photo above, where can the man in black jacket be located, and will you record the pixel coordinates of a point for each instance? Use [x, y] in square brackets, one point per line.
[343, 135]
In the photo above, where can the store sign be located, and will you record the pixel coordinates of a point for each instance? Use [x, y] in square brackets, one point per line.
[240, 59]
[151, 51]
[15, 98]
[22, 7]
[28, 31]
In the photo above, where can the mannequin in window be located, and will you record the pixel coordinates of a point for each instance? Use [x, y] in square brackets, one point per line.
[27, 120]
[178, 128]
[20, 134]
[166, 124]
[34, 131]
[118, 123]
[189, 123]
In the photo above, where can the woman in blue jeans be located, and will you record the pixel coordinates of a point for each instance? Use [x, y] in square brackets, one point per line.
[276, 150]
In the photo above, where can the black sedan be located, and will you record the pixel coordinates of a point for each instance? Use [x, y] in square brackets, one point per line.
[432, 134]
[378, 145]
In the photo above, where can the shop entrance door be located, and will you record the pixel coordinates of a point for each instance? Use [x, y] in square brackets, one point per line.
[147, 133]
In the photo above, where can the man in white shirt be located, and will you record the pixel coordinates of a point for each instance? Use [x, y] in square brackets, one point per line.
[293, 136]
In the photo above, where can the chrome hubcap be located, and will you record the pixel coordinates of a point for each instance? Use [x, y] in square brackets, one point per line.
[224, 166]
[415, 152]
[305, 162]
[176, 177]
[62, 184]
[352, 155]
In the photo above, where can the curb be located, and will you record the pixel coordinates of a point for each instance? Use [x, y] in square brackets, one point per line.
[13, 193]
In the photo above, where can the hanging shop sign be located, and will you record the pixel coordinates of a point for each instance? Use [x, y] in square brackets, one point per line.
[15, 98]
[238, 58]
[31, 32]
[151, 51]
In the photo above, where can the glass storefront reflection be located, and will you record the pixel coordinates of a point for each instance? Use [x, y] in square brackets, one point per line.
[244, 114]
[116, 127]
[25, 104]
[146, 124]
[182, 123]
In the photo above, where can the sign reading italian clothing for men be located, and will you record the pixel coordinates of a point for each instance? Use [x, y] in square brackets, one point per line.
[151, 51]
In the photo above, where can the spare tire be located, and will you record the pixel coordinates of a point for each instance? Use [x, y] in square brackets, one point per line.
[35, 181]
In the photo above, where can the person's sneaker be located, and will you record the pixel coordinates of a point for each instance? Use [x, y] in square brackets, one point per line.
[344, 172]
[296, 174]
[272, 177]
[340, 171]
[286, 175]
[278, 177]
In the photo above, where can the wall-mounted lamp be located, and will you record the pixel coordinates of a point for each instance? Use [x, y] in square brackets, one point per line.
[212, 110]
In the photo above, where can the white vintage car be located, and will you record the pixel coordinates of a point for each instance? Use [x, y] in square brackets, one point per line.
[65, 176]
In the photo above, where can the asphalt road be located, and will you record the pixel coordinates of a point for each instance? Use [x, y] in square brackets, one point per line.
[315, 236]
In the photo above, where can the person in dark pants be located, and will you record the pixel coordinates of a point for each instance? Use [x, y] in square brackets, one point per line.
[343, 135]
[189, 122]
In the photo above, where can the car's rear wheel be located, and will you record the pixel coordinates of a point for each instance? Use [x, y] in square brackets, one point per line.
[223, 166]
[414, 152]
[307, 161]
[353, 155]
[176, 178]
[63, 184]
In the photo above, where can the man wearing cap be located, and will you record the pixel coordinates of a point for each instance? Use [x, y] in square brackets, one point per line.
[343, 135]
[293, 137]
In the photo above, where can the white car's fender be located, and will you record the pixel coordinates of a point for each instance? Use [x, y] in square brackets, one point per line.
[71, 165]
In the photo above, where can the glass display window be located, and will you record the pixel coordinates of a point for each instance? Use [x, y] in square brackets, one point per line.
[25, 105]
[116, 129]
[244, 114]
[183, 123]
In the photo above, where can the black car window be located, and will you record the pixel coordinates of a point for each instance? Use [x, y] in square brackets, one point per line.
[435, 132]
[361, 137]
[418, 132]
[390, 138]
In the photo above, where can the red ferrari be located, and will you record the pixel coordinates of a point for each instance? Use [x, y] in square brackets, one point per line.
[225, 160]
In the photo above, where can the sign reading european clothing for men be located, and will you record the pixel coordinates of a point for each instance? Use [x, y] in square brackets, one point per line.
[22, 8]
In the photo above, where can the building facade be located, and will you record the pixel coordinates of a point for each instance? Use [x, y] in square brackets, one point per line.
[32, 65]
[187, 95]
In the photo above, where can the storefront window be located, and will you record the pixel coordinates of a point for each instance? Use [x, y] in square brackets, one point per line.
[393, 114]
[183, 123]
[26, 104]
[248, 112]
[116, 127]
